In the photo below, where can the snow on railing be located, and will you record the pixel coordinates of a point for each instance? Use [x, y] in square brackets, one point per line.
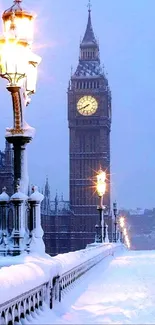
[43, 280]
[72, 275]
[23, 306]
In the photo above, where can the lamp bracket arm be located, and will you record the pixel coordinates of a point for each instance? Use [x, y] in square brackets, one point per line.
[17, 107]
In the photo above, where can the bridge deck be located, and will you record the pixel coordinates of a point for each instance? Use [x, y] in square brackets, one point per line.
[120, 290]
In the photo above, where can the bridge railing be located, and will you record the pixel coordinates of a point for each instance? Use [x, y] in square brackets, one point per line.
[72, 275]
[22, 306]
[50, 292]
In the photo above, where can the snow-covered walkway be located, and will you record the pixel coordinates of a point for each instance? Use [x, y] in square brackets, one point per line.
[120, 290]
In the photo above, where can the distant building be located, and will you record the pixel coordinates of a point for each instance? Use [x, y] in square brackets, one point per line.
[56, 221]
[6, 169]
[89, 121]
[70, 226]
[141, 227]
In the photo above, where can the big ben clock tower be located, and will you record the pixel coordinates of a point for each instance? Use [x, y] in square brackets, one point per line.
[89, 117]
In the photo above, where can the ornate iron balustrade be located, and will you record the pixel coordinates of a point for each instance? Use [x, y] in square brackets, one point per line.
[72, 275]
[22, 306]
[25, 305]
[20, 223]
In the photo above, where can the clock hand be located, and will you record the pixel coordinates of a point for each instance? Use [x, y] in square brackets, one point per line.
[84, 107]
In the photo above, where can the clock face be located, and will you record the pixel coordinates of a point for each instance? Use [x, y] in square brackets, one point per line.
[87, 105]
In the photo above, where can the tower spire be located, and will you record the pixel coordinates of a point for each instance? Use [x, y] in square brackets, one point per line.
[47, 188]
[89, 6]
[89, 37]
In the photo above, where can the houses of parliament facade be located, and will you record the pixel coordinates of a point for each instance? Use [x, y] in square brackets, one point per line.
[70, 225]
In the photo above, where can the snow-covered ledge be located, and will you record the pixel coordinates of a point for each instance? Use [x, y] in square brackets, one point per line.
[42, 279]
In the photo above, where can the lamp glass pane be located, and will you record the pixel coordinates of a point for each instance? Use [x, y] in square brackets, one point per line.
[2, 65]
[36, 59]
[101, 188]
[31, 79]
[101, 177]
[14, 60]
[24, 27]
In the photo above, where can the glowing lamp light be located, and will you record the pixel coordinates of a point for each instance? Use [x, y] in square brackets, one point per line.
[101, 177]
[13, 60]
[126, 237]
[101, 188]
[101, 185]
[24, 21]
[122, 222]
[127, 241]
[125, 232]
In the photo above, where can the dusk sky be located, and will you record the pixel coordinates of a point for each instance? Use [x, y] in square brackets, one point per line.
[126, 33]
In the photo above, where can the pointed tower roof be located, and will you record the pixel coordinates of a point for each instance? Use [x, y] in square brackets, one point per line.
[89, 58]
[56, 197]
[47, 188]
[89, 37]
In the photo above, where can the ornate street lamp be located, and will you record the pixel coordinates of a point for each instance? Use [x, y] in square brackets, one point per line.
[101, 188]
[115, 222]
[18, 64]
[97, 235]
[122, 224]
[127, 241]
[126, 238]
[125, 232]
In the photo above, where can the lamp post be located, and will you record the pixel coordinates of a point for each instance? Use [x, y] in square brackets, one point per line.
[115, 222]
[97, 236]
[127, 241]
[105, 227]
[122, 224]
[101, 188]
[126, 238]
[124, 232]
[18, 65]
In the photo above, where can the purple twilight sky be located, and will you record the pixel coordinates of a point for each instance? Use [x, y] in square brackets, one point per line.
[126, 33]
